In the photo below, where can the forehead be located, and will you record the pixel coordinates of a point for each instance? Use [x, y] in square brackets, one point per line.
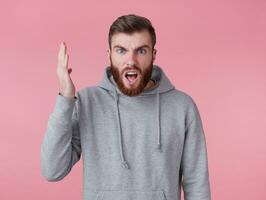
[131, 40]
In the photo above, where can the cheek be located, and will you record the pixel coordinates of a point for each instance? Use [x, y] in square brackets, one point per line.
[145, 62]
[118, 61]
[145, 59]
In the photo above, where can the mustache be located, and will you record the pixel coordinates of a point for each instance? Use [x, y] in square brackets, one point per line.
[132, 68]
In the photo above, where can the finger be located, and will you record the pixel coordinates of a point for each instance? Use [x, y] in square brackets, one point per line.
[62, 51]
[65, 62]
[66, 56]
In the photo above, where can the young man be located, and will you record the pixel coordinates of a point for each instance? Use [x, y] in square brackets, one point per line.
[138, 135]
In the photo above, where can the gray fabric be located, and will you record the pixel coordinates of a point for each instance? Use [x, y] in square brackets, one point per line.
[139, 148]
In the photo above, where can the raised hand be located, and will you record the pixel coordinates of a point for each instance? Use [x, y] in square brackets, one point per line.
[66, 86]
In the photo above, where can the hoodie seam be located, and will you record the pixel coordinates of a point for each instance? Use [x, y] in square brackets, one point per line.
[194, 112]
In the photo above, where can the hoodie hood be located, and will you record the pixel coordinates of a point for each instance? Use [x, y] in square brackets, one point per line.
[162, 84]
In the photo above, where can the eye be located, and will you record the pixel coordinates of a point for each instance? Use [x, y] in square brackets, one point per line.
[119, 50]
[142, 51]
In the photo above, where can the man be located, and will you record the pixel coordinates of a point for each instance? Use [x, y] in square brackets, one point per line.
[138, 135]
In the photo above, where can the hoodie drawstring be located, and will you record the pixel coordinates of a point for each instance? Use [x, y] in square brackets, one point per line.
[123, 160]
[158, 121]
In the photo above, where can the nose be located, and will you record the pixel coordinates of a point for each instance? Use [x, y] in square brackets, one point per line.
[131, 60]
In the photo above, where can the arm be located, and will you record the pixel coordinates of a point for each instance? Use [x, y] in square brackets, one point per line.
[61, 147]
[194, 164]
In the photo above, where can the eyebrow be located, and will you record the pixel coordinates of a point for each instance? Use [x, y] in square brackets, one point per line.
[142, 46]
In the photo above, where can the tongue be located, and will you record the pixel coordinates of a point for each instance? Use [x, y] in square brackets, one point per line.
[131, 78]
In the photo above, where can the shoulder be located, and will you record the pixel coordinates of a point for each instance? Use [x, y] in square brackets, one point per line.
[182, 97]
[87, 93]
[87, 90]
[186, 102]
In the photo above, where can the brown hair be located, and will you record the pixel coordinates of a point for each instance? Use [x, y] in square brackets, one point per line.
[131, 23]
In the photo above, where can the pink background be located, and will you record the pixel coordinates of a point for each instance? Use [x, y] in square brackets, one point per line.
[213, 50]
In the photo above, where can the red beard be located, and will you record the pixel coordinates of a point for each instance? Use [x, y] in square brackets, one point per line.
[145, 77]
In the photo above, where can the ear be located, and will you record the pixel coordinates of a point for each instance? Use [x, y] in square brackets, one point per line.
[108, 53]
[154, 54]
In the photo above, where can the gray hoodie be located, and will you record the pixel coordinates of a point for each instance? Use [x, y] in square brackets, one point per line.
[133, 148]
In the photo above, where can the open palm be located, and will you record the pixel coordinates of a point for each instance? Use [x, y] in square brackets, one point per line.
[66, 86]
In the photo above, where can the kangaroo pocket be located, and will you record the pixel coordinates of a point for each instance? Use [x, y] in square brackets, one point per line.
[130, 195]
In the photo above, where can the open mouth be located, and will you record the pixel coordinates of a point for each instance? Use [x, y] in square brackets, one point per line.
[132, 76]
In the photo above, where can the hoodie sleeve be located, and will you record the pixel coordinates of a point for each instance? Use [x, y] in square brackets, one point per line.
[61, 147]
[194, 164]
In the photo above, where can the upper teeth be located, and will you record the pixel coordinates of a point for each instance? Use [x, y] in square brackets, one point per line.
[131, 73]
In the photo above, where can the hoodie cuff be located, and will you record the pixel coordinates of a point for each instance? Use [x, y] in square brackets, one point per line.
[64, 107]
